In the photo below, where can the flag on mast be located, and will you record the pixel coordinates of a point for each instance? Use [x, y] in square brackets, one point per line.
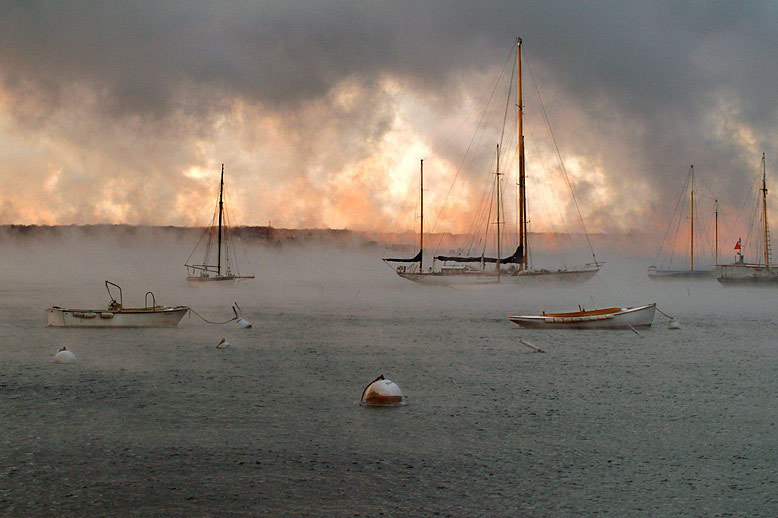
[737, 245]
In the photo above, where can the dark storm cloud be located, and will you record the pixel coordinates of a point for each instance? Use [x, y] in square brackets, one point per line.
[650, 78]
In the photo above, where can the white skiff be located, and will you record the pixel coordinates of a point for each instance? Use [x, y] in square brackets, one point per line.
[607, 318]
[115, 315]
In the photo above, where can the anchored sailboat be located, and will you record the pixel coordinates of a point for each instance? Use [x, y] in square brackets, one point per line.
[220, 267]
[700, 273]
[741, 272]
[473, 269]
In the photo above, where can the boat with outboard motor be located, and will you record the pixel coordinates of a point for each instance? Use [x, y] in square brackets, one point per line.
[116, 315]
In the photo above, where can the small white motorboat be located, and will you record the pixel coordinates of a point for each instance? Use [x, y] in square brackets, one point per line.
[116, 315]
[607, 318]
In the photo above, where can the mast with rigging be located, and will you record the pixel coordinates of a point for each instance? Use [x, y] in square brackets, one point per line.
[716, 233]
[764, 213]
[523, 242]
[221, 212]
[421, 225]
[691, 219]
[497, 175]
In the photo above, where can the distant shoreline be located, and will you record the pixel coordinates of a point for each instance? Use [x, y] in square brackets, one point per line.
[273, 236]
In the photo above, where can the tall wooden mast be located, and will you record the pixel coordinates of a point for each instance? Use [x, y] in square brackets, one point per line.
[691, 219]
[523, 241]
[221, 209]
[497, 175]
[421, 225]
[716, 233]
[764, 212]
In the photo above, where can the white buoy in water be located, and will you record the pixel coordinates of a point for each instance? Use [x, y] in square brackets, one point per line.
[242, 322]
[65, 356]
[223, 344]
[382, 392]
[673, 324]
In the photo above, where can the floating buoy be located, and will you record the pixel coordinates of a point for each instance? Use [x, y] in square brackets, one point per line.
[242, 322]
[65, 356]
[223, 344]
[673, 324]
[382, 392]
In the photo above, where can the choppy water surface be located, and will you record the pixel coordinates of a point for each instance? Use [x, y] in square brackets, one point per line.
[153, 422]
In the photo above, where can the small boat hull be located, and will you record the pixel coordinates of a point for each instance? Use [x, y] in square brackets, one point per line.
[612, 318]
[159, 316]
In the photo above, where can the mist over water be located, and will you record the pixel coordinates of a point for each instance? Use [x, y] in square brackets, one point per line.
[158, 421]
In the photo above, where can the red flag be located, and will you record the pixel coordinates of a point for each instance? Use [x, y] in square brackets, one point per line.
[737, 245]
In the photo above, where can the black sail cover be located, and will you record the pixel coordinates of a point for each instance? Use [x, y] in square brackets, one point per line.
[512, 259]
[414, 259]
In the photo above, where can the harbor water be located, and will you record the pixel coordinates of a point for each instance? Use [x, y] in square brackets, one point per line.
[153, 422]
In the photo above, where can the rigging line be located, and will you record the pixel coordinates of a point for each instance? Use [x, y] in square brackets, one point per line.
[686, 186]
[404, 208]
[467, 151]
[211, 231]
[474, 239]
[471, 232]
[748, 201]
[202, 235]
[707, 224]
[232, 230]
[559, 155]
[488, 224]
[546, 176]
[507, 104]
[676, 212]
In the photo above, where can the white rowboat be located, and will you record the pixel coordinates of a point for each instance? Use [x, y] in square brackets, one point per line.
[608, 318]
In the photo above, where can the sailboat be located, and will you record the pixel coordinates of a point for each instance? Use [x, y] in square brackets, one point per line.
[469, 270]
[220, 267]
[740, 272]
[464, 273]
[700, 273]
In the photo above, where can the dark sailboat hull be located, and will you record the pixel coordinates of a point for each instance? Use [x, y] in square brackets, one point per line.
[663, 275]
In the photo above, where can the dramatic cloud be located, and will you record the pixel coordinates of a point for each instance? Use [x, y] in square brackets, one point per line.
[124, 111]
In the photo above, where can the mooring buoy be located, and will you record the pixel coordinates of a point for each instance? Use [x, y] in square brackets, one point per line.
[382, 392]
[65, 356]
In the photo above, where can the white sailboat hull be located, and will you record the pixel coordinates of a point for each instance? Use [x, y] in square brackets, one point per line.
[159, 316]
[620, 318]
[463, 277]
[747, 274]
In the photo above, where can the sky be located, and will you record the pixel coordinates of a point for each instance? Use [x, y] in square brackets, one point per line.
[123, 112]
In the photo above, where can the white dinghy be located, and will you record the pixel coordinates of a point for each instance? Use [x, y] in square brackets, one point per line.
[116, 315]
[607, 318]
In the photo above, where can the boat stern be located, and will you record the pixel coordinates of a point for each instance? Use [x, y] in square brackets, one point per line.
[55, 317]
